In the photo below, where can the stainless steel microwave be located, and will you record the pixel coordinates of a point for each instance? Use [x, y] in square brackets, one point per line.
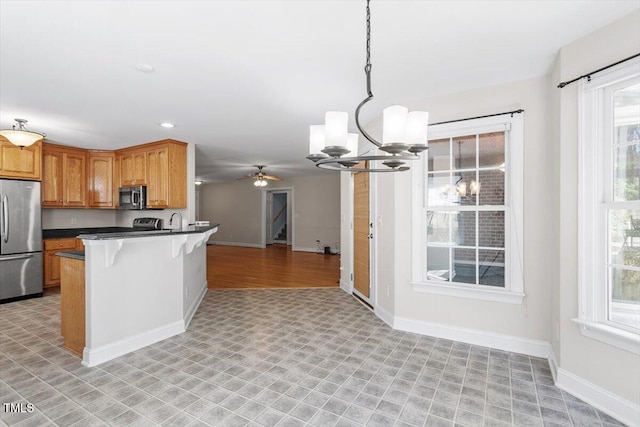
[134, 198]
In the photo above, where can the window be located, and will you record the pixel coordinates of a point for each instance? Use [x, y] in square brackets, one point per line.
[609, 214]
[468, 210]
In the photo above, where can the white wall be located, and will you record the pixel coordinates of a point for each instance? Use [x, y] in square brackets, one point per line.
[237, 207]
[615, 370]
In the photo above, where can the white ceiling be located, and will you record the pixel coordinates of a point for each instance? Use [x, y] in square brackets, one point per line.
[244, 79]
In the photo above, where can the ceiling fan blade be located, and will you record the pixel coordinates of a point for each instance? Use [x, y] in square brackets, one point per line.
[272, 177]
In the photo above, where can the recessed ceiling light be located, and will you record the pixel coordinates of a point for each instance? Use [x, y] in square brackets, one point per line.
[167, 125]
[145, 68]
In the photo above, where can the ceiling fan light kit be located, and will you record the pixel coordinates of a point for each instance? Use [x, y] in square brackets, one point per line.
[20, 136]
[261, 178]
[404, 134]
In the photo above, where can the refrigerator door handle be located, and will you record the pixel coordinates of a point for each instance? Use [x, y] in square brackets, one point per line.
[5, 218]
[15, 257]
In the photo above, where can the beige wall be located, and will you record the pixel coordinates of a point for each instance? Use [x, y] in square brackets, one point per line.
[591, 369]
[531, 319]
[237, 206]
[603, 365]
[75, 218]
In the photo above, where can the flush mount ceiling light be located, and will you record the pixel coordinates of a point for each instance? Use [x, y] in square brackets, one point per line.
[404, 134]
[198, 182]
[145, 68]
[20, 136]
[167, 125]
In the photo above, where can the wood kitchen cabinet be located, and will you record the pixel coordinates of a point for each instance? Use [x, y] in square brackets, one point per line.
[102, 186]
[167, 174]
[52, 262]
[64, 182]
[133, 167]
[73, 304]
[23, 163]
[158, 177]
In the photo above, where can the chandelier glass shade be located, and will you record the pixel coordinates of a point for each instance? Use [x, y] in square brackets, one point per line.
[404, 134]
[260, 182]
[20, 136]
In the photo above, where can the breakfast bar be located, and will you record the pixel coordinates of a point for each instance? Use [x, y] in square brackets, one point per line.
[140, 287]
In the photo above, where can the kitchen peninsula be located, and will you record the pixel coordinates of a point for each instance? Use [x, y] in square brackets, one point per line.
[140, 287]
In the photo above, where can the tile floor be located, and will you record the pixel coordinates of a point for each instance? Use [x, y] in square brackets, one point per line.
[312, 357]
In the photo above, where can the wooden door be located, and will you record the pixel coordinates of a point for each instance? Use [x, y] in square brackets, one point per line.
[17, 162]
[101, 180]
[361, 233]
[52, 178]
[75, 179]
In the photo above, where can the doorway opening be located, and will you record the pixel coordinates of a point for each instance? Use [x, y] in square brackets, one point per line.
[279, 218]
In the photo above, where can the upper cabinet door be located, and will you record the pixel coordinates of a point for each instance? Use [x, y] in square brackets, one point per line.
[158, 182]
[75, 179]
[64, 182]
[133, 168]
[23, 163]
[101, 188]
[52, 178]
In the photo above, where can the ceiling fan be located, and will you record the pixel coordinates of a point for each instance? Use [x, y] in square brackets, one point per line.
[261, 177]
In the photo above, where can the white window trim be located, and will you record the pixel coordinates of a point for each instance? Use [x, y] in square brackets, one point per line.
[513, 293]
[592, 296]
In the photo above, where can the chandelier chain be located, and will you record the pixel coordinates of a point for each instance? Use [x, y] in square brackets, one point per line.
[367, 67]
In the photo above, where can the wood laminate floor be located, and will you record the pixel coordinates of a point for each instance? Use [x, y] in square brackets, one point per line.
[277, 266]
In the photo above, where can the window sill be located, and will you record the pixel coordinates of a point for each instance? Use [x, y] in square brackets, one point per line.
[609, 335]
[471, 292]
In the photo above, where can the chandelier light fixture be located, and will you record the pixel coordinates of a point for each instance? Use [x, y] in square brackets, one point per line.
[20, 136]
[404, 134]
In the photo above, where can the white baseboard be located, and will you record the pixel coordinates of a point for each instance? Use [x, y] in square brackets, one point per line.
[194, 306]
[385, 316]
[303, 249]
[347, 287]
[504, 342]
[246, 245]
[95, 356]
[619, 408]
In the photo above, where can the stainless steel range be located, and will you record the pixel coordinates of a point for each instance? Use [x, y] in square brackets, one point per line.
[140, 224]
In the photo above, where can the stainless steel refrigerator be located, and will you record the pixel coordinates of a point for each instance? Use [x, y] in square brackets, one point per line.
[20, 240]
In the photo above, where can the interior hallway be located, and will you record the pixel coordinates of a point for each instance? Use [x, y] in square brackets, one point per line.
[276, 266]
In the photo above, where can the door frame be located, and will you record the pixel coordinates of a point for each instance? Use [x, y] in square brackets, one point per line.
[290, 218]
[372, 242]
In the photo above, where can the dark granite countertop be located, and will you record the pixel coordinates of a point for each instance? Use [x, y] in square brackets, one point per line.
[60, 233]
[72, 254]
[192, 229]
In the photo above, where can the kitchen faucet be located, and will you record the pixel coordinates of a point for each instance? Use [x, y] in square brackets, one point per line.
[171, 219]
